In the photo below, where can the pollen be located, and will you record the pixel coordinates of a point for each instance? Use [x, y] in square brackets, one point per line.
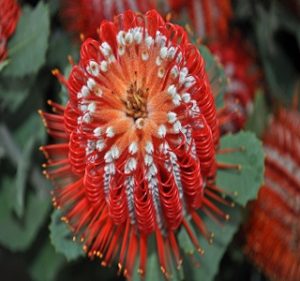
[136, 103]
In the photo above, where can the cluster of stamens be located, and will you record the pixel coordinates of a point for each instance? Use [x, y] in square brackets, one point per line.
[136, 104]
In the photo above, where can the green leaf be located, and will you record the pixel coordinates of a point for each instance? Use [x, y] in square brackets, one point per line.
[46, 264]
[153, 268]
[13, 92]
[61, 238]
[18, 234]
[209, 262]
[216, 74]
[21, 177]
[258, 120]
[250, 156]
[27, 48]
[7, 194]
[60, 47]
[32, 126]
[3, 64]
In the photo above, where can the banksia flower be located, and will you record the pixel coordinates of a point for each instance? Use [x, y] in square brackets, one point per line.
[243, 73]
[9, 16]
[273, 229]
[136, 142]
[210, 18]
[84, 16]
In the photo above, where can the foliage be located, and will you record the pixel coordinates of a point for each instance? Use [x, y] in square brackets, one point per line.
[61, 238]
[29, 43]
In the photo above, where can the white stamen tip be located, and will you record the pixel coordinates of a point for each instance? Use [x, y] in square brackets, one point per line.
[105, 49]
[130, 165]
[133, 148]
[175, 71]
[182, 75]
[149, 41]
[115, 152]
[176, 100]
[138, 37]
[160, 39]
[186, 97]
[128, 38]
[110, 132]
[163, 52]
[172, 117]
[158, 61]
[110, 169]
[92, 107]
[162, 131]
[177, 126]
[145, 56]
[100, 145]
[111, 59]
[83, 107]
[149, 147]
[171, 53]
[189, 81]
[91, 83]
[85, 91]
[148, 160]
[172, 91]
[90, 147]
[93, 68]
[153, 170]
[104, 66]
[121, 37]
[97, 132]
[179, 57]
[86, 118]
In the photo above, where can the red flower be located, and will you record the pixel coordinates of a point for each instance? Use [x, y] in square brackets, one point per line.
[241, 69]
[210, 18]
[136, 141]
[9, 16]
[273, 230]
[85, 16]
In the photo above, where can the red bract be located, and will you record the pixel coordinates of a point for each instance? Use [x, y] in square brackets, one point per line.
[136, 149]
[9, 16]
[241, 69]
[273, 230]
[85, 16]
[210, 18]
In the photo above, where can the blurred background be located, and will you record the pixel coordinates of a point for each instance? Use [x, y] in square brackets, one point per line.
[265, 37]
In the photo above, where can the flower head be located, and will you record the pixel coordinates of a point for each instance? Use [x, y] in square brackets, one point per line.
[273, 229]
[244, 76]
[85, 16]
[9, 16]
[137, 140]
